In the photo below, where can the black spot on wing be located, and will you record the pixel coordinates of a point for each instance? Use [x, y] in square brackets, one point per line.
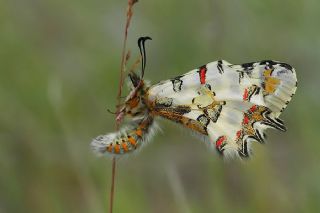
[248, 66]
[255, 91]
[208, 86]
[182, 109]
[241, 76]
[219, 66]
[259, 135]
[243, 152]
[213, 113]
[274, 125]
[177, 83]
[173, 113]
[287, 66]
[268, 62]
[203, 120]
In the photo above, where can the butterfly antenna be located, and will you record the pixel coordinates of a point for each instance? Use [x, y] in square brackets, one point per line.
[141, 44]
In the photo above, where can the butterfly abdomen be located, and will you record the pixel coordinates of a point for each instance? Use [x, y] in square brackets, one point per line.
[127, 139]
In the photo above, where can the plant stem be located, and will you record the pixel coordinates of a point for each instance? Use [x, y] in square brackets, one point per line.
[122, 66]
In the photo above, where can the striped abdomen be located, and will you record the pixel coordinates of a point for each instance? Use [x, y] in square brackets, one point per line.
[127, 139]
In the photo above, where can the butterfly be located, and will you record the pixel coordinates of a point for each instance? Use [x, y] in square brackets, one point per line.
[228, 105]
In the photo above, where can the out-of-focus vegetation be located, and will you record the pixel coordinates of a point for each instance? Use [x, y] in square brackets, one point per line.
[59, 68]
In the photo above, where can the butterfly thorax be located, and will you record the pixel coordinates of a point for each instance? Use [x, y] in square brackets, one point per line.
[135, 103]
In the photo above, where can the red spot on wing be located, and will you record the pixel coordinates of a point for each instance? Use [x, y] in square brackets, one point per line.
[202, 74]
[239, 133]
[253, 108]
[245, 120]
[245, 95]
[220, 141]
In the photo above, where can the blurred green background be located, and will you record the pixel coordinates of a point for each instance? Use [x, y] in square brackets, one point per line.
[59, 70]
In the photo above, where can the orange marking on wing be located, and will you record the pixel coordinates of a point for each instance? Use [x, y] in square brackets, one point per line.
[267, 73]
[257, 116]
[271, 83]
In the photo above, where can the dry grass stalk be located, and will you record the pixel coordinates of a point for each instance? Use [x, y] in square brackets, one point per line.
[124, 59]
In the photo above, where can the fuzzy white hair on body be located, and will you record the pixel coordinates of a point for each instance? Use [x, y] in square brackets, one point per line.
[100, 144]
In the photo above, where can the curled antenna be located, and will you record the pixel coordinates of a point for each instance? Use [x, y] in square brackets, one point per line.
[142, 49]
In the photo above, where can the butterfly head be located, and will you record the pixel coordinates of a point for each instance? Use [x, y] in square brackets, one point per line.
[134, 104]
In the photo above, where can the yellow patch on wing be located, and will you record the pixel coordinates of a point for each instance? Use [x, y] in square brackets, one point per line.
[271, 83]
